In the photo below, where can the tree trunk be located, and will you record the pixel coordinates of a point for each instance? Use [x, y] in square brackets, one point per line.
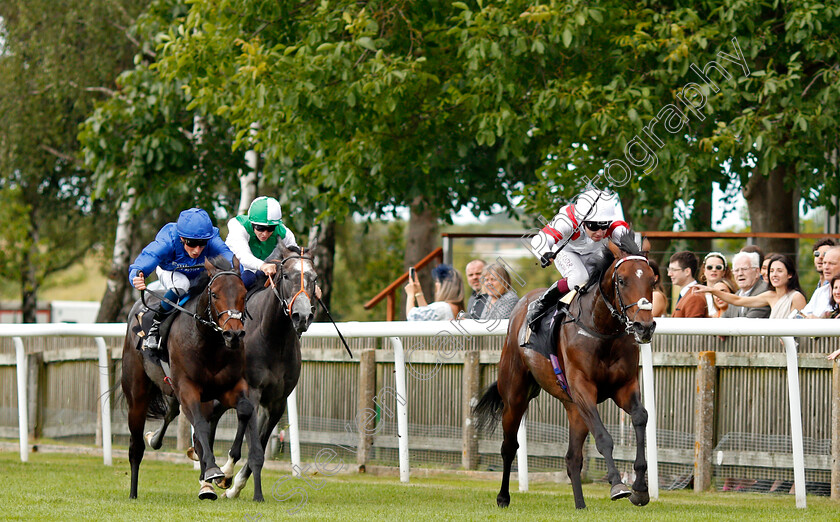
[28, 277]
[773, 208]
[249, 181]
[117, 288]
[324, 263]
[423, 237]
[701, 221]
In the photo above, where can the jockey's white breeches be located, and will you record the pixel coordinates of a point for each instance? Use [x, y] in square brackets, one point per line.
[172, 280]
[575, 267]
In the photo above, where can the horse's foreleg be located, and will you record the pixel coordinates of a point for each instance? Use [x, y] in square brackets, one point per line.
[256, 455]
[584, 395]
[630, 401]
[155, 439]
[574, 454]
[191, 404]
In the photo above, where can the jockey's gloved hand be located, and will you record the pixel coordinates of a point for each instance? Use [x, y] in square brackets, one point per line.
[547, 258]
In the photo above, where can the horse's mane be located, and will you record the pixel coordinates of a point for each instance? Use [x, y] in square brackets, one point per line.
[219, 262]
[627, 244]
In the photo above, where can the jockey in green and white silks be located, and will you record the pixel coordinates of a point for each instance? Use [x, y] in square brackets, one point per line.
[254, 236]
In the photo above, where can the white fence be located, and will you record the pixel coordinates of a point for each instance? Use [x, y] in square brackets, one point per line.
[786, 329]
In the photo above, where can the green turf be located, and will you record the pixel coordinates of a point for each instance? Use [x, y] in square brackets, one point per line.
[69, 487]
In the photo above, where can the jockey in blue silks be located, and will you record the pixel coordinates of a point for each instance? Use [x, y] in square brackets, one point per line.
[177, 255]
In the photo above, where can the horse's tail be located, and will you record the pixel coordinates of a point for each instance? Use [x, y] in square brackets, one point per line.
[488, 411]
[157, 404]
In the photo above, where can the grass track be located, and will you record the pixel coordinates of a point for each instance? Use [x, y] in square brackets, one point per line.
[68, 487]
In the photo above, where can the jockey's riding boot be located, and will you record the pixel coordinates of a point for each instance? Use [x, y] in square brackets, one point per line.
[536, 309]
[152, 340]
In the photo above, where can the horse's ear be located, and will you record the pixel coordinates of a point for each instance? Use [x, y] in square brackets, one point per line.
[312, 245]
[236, 263]
[616, 252]
[211, 268]
[279, 252]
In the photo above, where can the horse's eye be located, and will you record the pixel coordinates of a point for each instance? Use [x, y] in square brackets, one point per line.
[621, 281]
[213, 295]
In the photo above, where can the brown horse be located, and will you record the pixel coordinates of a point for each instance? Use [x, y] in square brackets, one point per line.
[207, 361]
[597, 351]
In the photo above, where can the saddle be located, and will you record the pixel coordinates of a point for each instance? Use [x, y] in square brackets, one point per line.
[544, 342]
[145, 318]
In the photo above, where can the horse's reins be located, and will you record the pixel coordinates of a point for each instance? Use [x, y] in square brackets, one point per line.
[232, 314]
[287, 308]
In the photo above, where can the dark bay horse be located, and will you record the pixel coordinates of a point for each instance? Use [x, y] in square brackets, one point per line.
[281, 312]
[207, 363]
[597, 351]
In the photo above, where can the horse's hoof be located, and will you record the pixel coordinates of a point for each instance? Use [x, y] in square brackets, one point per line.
[212, 474]
[502, 501]
[640, 498]
[232, 493]
[225, 483]
[207, 493]
[148, 436]
[192, 454]
[620, 490]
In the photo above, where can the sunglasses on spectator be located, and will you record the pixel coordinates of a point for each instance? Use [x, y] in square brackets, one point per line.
[595, 226]
[265, 228]
[818, 254]
[192, 243]
[714, 267]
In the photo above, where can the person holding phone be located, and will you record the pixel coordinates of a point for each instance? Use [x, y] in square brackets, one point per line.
[449, 296]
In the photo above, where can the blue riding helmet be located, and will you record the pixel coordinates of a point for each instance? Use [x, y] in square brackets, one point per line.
[194, 223]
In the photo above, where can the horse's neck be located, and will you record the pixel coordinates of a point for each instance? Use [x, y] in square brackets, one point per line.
[597, 298]
[274, 316]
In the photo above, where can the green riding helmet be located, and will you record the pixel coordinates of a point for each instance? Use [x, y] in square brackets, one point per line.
[265, 211]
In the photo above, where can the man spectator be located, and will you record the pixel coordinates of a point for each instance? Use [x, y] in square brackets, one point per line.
[820, 303]
[757, 249]
[477, 300]
[747, 269]
[820, 248]
[681, 270]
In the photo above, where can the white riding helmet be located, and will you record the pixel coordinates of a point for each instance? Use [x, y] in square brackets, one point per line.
[607, 206]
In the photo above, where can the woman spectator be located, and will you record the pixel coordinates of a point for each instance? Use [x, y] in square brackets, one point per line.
[835, 308]
[785, 296]
[715, 269]
[660, 298]
[449, 297]
[720, 305]
[765, 264]
[501, 297]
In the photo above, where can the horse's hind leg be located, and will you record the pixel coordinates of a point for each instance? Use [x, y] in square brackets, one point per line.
[516, 402]
[574, 454]
[630, 401]
[265, 424]
[584, 395]
[155, 439]
[138, 407]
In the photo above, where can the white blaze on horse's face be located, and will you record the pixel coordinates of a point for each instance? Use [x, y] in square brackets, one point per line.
[639, 273]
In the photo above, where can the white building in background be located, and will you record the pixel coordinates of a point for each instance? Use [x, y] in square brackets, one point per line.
[52, 312]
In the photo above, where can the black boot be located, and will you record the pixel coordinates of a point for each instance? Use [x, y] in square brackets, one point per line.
[152, 339]
[536, 309]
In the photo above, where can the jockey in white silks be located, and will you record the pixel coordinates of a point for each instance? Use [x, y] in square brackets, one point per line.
[577, 230]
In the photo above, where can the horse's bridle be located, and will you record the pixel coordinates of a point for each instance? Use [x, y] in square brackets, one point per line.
[289, 303]
[621, 313]
[232, 314]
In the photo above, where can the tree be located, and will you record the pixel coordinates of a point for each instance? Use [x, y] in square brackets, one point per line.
[57, 57]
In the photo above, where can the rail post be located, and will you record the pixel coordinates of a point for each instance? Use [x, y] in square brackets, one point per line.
[704, 421]
[23, 405]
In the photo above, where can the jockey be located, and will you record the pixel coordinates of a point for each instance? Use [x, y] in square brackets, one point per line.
[253, 237]
[578, 228]
[177, 254]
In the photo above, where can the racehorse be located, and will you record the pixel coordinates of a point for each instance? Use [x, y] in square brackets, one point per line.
[597, 352]
[207, 363]
[280, 312]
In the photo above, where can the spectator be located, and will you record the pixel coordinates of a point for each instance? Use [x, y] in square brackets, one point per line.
[449, 297]
[820, 248]
[501, 297]
[819, 305]
[681, 270]
[785, 296]
[715, 268]
[477, 299]
[720, 305]
[746, 267]
[660, 299]
[755, 249]
[834, 312]
[765, 264]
